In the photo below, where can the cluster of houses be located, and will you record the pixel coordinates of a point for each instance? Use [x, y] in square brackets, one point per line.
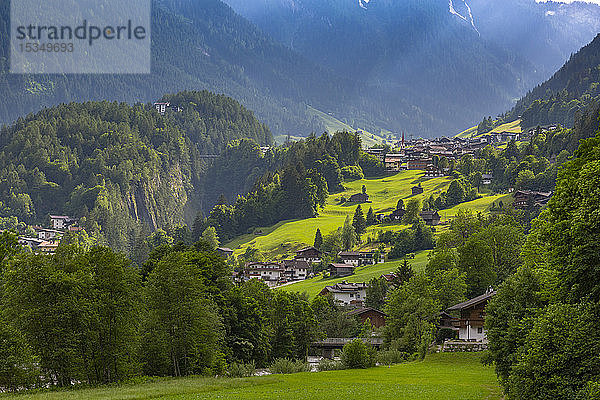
[418, 154]
[47, 240]
[276, 273]
[468, 321]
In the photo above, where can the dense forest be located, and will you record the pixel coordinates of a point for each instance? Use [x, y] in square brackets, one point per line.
[304, 174]
[125, 170]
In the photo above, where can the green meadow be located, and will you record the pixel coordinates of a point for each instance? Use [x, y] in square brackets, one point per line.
[512, 127]
[439, 377]
[284, 238]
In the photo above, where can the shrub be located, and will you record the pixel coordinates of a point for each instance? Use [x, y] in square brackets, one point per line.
[241, 370]
[356, 355]
[329, 365]
[390, 357]
[352, 173]
[287, 366]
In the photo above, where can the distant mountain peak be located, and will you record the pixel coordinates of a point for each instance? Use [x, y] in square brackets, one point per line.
[363, 3]
[468, 14]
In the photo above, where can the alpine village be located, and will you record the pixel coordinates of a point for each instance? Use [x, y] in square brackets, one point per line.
[294, 205]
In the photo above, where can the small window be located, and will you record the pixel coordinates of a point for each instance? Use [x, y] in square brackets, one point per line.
[351, 294]
[479, 330]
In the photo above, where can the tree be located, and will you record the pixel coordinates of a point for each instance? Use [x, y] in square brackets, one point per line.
[318, 239]
[348, 234]
[182, 328]
[18, 368]
[210, 236]
[356, 355]
[413, 208]
[409, 309]
[455, 194]
[358, 222]
[371, 217]
[400, 205]
[376, 292]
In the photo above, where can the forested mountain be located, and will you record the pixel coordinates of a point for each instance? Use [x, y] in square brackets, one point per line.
[125, 169]
[558, 100]
[195, 45]
[451, 63]
[404, 66]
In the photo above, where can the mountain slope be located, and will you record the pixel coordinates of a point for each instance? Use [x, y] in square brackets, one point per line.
[196, 45]
[570, 90]
[452, 62]
[125, 169]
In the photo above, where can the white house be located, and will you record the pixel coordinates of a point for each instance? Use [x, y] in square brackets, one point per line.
[472, 317]
[268, 272]
[350, 294]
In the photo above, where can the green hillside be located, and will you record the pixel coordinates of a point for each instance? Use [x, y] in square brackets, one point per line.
[285, 237]
[512, 127]
[334, 125]
[440, 377]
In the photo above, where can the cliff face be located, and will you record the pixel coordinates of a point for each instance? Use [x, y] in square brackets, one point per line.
[125, 171]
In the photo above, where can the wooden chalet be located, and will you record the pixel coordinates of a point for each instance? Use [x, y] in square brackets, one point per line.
[374, 316]
[431, 218]
[341, 270]
[471, 322]
[359, 198]
[309, 254]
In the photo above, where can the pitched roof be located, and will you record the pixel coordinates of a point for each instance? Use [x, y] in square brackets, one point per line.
[360, 311]
[472, 302]
[338, 265]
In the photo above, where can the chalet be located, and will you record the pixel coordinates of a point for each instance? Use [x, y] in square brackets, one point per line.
[224, 252]
[311, 255]
[358, 258]
[295, 270]
[374, 316]
[47, 247]
[162, 107]
[393, 162]
[397, 214]
[431, 218]
[47, 234]
[30, 242]
[359, 198]
[379, 153]
[419, 163]
[352, 294]
[433, 172]
[526, 198]
[61, 221]
[470, 324]
[486, 179]
[341, 270]
[417, 190]
[268, 272]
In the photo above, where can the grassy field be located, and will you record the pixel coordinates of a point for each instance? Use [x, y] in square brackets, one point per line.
[512, 127]
[440, 377]
[287, 236]
[313, 286]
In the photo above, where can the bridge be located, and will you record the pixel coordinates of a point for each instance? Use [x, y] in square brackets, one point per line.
[329, 345]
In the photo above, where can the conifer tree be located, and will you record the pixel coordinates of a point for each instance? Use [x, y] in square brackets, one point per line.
[371, 217]
[318, 239]
[359, 222]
